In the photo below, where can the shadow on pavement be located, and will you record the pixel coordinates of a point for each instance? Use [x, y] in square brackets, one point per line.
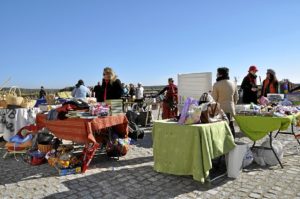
[142, 182]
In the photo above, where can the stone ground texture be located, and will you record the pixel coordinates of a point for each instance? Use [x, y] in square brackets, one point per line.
[133, 177]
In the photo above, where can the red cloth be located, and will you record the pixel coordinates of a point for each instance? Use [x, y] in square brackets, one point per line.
[81, 130]
[105, 90]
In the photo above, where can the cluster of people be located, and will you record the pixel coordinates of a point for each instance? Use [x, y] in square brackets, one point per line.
[225, 91]
[111, 87]
[250, 88]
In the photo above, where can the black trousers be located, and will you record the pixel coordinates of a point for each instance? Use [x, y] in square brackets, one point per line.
[229, 116]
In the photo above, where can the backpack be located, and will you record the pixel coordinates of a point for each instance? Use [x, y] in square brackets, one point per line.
[135, 132]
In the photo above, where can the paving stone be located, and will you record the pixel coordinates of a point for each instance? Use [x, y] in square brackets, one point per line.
[255, 195]
[133, 177]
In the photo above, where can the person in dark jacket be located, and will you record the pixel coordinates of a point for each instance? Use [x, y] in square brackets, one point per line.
[170, 101]
[131, 91]
[111, 87]
[97, 91]
[270, 84]
[249, 86]
[42, 93]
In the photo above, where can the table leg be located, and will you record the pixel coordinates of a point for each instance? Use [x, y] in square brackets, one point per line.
[271, 145]
[277, 133]
[293, 132]
[253, 145]
[5, 155]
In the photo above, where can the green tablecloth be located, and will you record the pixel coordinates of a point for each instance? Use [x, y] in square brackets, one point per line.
[257, 127]
[189, 149]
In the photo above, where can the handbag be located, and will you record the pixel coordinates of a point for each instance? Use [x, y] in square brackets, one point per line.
[212, 112]
[205, 98]
[13, 98]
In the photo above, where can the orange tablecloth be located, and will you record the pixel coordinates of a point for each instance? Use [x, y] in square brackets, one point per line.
[81, 130]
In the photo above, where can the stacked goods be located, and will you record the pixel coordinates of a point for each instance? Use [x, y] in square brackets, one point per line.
[65, 160]
[116, 106]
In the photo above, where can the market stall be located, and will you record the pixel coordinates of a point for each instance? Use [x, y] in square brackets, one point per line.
[260, 121]
[82, 130]
[189, 149]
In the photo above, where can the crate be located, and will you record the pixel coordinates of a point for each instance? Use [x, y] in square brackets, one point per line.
[64, 172]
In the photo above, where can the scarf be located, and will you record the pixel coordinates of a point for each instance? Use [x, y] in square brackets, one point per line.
[222, 78]
[105, 90]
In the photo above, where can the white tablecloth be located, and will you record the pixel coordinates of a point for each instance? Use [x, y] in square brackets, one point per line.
[12, 120]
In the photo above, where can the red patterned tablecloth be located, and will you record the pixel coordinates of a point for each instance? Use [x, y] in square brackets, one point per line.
[82, 130]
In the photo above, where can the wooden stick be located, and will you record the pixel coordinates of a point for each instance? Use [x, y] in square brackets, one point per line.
[2, 86]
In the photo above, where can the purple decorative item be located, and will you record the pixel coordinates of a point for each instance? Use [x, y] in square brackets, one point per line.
[184, 112]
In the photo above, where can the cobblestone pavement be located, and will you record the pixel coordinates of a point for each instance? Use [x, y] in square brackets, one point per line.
[133, 177]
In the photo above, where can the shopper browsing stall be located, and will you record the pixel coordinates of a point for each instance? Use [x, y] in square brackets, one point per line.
[111, 86]
[81, 91]
[170, 100]
[225, 92]
[249, 86]
[270, 84]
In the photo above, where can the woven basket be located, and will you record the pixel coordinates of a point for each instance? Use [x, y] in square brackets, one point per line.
[28, 103]
[50, 99]
[44, 148]
[13, 98]
[3, 101]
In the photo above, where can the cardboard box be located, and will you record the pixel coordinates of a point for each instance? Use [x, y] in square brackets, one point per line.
[64, 172]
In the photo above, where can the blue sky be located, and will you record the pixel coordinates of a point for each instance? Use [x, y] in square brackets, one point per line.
[54, 43]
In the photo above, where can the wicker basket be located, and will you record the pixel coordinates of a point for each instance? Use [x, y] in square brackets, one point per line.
[28, 103]
[13, 98]
[3, 100]
[44, 148]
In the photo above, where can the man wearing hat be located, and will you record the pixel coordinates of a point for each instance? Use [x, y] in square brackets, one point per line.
[270, 84]
[249, 86]
[170, 100]
[225, 92]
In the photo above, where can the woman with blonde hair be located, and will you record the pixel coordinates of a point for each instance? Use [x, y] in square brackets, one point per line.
[111, 87]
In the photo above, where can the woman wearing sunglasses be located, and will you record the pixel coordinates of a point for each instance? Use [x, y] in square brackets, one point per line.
[111, 87]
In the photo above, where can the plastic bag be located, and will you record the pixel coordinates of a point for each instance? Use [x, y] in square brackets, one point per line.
[248, 158]
[263, 101]
[258, 159]
[184, 113]
[269, 156]
[234, 160]
[193, 115]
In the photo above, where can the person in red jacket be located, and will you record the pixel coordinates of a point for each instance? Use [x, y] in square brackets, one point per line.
[249, 86]
[170, 101]
[270, 84]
